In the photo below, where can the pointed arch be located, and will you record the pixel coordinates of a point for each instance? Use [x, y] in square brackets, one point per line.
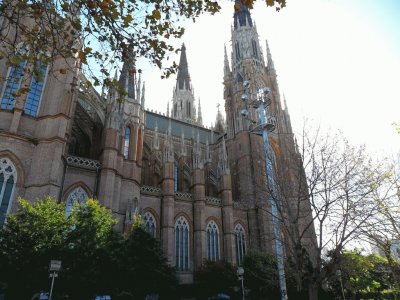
[8, 179]
[182, 244]
[240, 242]
[17, 164]
[212, 235]
[150, 223]
[78, 194]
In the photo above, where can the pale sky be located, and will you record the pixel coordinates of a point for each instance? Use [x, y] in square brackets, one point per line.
[338, 63]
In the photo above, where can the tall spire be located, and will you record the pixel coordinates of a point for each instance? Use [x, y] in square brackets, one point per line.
[183, 78]
[270, 62]
[227, 69]
[242, 15]
[127, 78]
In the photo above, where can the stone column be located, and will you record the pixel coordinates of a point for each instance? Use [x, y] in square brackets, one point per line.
[167, 212]
[108, 170]
[227, 218]
[199, 233]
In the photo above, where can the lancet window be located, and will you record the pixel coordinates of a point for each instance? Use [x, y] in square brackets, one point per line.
[240, 243]
[149, 223]
[212, 241]
[35, 92]
[126, 142]
[12, 86]
[77, 195]
[8, 178]
[182, 244]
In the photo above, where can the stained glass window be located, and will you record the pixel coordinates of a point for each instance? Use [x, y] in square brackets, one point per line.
[12, 86]
[240, 243]
[212, 241]
[35, 92]
[149, 223]
[8, 178]
[182, 244]
[77, 195]
[126, 142]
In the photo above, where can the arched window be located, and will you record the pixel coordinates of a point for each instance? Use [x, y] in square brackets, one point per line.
[12, 86]
[212, 241]
[182, 244]
[254, 45]
[35, 92]
[240, 243]
[126, 142]
[77, 195]
[150, 223]
[8, 178]
[237, 49]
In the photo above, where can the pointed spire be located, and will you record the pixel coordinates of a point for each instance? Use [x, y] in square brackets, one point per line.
[156, 141]
[143, 100]
[127, 78]
[199, 115]
[270, 62]
[223, 165]
[168, 146]
[168, 109]
[227, 69]
[241, 16]
[183, 78]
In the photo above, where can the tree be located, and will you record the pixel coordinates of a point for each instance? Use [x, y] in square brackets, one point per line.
[100, 33]
[331, 189]
[143, 268]
[261, 275]
[95, 258]
[383, 229]
[29, 239]
[363, 276]
[214, 278]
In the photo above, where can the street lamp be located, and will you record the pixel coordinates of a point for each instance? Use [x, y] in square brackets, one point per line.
[339, 274]
[240, 275]
[261, 103]
[55, 266]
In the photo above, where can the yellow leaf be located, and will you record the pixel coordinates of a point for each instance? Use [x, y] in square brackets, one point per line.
[237, 6]
[156, 14]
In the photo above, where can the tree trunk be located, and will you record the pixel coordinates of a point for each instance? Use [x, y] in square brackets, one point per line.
[313, 291]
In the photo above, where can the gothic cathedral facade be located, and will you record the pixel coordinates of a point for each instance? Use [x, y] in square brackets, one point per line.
[200, 190]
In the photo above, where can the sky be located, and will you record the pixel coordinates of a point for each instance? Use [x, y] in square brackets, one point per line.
[338, 64]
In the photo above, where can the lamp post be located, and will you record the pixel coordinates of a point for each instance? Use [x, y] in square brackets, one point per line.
[267, 124]
[240, 273]
[55, 266]
[339, 274]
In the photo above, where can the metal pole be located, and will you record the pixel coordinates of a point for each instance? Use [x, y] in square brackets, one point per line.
[242, 289]
[52, 284]
[274, 208]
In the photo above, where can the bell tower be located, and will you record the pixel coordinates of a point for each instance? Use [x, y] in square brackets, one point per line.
[245, 150]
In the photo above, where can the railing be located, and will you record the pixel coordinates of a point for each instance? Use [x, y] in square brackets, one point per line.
[213, 201]
[183, 196]
[150, 190]
[81, 162]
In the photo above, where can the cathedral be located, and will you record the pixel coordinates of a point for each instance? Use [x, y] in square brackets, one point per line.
[201, 191]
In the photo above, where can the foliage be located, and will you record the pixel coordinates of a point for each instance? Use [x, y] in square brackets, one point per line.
[95, 259]
[29, 239]
[363, 276]
[101, 33]
[143, 268]
[260, 274]
[215, 277]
